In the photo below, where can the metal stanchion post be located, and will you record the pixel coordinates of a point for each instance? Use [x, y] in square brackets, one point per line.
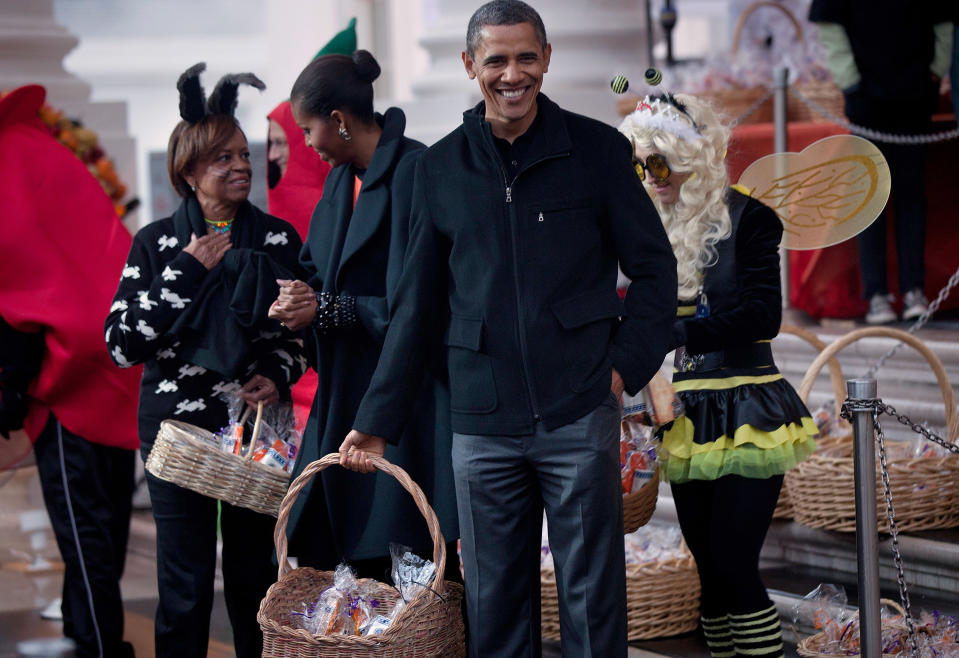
[780, 82]
[867, 535]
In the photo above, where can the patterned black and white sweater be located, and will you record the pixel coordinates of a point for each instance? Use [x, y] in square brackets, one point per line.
[161, 284]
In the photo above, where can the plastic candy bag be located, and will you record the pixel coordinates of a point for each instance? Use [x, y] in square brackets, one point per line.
[656, 405]
[637, 455]
[330, 613]
[411, 573]
[654, 543]
[825, 605]
[230, 436]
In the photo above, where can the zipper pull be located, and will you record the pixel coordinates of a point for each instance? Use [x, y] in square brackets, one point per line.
[509, 194]
[540, 218]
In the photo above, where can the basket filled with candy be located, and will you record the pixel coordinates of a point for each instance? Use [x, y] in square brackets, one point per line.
[923, 478]
[640, 474]
[936, 635]
[654, 406]
[253, 474]
[662, 585]
[332, 613]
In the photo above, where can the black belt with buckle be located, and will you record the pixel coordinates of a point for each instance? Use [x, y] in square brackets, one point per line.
[751, 356]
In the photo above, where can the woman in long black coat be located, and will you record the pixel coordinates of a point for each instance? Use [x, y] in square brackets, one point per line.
[354, 257]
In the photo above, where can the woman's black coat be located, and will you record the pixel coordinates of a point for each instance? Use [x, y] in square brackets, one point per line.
[360, 251]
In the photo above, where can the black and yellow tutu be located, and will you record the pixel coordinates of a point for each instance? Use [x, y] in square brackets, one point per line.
[743, 420]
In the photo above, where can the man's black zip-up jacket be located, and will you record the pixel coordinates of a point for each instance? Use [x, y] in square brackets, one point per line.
[521, 273]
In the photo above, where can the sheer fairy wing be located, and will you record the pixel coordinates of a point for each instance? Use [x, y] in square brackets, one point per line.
[829, 192]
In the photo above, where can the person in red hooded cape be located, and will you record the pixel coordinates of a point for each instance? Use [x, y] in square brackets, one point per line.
[61, 247]
[295, 178]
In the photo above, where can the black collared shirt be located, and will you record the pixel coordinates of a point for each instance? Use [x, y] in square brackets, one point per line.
[514, 155]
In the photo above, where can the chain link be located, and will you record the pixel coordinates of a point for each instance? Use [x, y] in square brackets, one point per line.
[878, 407]
[875, 135]
[874, 406]
[916, 427]
[894, 532]
[933, 307]
[752, 108]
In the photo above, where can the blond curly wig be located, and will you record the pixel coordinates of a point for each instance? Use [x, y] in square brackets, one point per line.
[700, 218]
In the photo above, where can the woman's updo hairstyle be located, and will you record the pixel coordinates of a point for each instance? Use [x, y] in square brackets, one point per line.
[337, 82]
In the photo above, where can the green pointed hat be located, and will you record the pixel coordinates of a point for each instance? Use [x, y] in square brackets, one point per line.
[342, 43]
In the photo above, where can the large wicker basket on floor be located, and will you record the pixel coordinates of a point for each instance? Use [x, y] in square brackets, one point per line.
[638, 507]
[784, 505]
[431, 624]
[662, 599]
[814, 646]
[187, 455]
[925, 490]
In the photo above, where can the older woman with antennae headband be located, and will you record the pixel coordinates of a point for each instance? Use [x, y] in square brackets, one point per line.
[354, 256]
[743, 426]
[192, 307]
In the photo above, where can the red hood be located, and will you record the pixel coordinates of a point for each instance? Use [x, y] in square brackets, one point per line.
[301, 187]
[62, 248]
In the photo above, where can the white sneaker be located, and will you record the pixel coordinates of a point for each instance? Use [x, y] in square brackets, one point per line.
[914, 304]
[880, 310]
[54, 611]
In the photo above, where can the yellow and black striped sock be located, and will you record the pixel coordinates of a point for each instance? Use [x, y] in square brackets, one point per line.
[757, 634]
[718, 637]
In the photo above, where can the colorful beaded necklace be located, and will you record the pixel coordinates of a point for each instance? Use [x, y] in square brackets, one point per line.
[220, 226]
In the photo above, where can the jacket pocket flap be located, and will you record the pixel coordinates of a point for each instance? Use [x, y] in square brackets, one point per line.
[465, 332]
[586, 308]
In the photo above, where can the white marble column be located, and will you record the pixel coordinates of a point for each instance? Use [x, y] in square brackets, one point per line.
[32, 49]
[592, 42]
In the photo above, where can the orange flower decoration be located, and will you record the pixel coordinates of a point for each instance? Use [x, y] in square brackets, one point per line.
[85, 145]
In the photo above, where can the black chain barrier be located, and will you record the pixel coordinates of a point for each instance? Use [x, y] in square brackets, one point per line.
[878, 408]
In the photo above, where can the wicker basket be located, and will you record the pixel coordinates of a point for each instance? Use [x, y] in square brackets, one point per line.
[814, 645]
[430, 625]
[187, 455]
[638, 507]
[784, 505]
[662, 599]
[735, 102]
[925, 490]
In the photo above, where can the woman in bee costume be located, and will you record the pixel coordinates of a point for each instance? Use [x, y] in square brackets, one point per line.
[744, 426]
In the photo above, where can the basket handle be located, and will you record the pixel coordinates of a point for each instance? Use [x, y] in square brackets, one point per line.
[748, 11]
[381, 464]
[952, 418]
[835, 371]
[256, 427]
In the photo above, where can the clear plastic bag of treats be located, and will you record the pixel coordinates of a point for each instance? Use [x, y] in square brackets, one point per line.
[230, 436]
[278, 440]
[829, 426]
[637, 454]
[656, 404]
[411, 573]
[826, 605]
[365, 608]
[333, 606]
[654, 543]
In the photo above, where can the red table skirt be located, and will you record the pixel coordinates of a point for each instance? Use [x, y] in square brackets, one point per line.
[826, 282]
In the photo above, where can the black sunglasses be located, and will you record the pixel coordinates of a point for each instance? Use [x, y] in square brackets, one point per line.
[656, 166]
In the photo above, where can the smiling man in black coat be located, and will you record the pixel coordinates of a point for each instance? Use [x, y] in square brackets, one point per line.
[519, 219]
